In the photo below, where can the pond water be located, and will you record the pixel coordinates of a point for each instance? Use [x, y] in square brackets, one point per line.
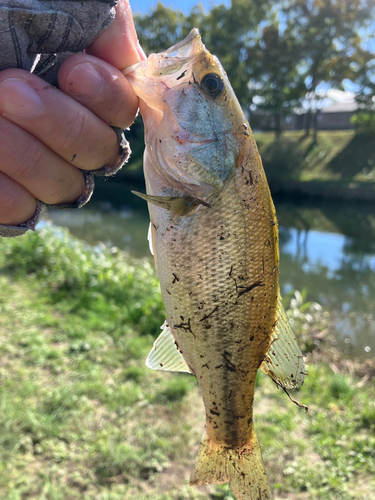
[328, 249]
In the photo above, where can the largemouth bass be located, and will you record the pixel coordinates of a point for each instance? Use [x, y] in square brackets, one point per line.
[214, 235]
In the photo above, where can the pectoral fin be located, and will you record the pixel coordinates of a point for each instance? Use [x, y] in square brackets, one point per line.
[164, 355]
[176, 204]
[284, 361]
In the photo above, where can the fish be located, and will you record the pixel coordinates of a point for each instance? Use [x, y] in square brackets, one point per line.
[214, 236]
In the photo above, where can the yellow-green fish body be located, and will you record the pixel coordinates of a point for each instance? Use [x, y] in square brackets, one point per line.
[215, 239]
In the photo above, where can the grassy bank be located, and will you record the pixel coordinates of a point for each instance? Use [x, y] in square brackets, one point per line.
[340, 166]
[83, 418]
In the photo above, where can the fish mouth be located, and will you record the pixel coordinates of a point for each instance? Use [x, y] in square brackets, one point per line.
[185, 48]
[171, 60]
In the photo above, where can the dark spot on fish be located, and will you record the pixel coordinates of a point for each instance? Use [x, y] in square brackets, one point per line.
[168, 292]
[217, 367]
[249, 288]
[161, 364]
[185, 326]
[213, 412]
[160, 141]
[250, 421]
[206, 366]
[229, 365]
[182, 75]
[251, 178]
[291, 375]
[222, 238]
[73, 158]
[176, 278]
[210, 314]
[267, 243]
[195, 81]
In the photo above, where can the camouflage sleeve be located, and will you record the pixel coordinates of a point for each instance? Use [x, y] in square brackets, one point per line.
[37, 35]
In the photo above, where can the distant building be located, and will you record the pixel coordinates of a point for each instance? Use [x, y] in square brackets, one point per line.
[337, 116]
[337, 109]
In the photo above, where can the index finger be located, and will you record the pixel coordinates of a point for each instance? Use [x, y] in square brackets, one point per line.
[118, 44]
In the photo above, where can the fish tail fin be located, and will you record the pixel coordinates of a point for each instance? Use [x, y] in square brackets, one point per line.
[242, 468]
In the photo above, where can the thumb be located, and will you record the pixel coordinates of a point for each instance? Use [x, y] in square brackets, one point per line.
[118, 44]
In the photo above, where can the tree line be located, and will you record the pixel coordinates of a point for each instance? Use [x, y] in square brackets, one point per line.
[279, 54]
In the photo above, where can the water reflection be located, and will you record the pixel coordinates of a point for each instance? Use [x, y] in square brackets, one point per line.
[328, 249]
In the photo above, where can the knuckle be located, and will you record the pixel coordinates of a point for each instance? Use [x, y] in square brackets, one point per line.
[27, 159]
[75, 129]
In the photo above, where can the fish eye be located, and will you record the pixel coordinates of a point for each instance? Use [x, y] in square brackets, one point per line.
[212, 84]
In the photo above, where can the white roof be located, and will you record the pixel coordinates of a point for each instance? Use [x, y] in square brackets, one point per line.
[341, 107]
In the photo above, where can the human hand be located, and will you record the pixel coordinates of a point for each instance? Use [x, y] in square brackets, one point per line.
[48, 134]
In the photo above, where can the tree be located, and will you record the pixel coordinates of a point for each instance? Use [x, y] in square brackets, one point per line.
[275, 84]
[161, 29]
[329, 33]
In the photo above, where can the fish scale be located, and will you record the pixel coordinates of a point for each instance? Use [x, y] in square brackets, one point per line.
[215, 239]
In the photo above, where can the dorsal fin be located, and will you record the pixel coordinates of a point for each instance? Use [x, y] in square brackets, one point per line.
[284, 361]
[165, 355]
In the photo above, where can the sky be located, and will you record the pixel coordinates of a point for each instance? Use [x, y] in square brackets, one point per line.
[145, 6]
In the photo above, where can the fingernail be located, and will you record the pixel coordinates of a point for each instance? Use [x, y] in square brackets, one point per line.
[84, 80]
[18, 99]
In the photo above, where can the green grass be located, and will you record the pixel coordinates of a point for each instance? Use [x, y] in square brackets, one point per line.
[338, 156]
[81, 417]
[341, 165]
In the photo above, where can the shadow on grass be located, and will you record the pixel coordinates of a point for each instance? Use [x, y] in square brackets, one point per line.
[284, 158]
[354, 157]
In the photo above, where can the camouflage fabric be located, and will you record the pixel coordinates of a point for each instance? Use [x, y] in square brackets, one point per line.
[37, 35]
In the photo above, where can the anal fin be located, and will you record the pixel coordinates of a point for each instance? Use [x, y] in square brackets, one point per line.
[164, 355]
[284, 360]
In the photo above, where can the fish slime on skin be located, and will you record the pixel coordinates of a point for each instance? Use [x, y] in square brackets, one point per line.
[214, 236]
